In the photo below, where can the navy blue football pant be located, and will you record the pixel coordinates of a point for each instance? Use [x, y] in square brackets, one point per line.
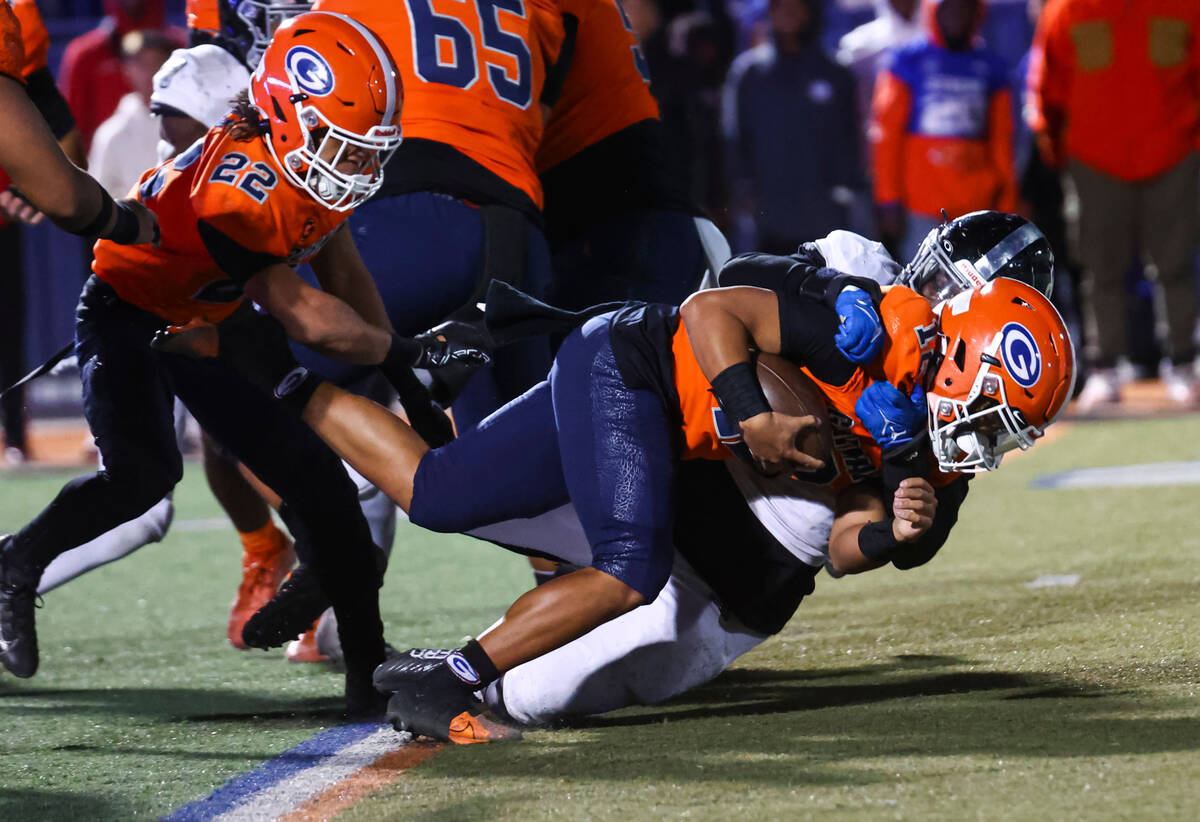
[580, 436]
[127, 395]
[648, 255]
[427, 253]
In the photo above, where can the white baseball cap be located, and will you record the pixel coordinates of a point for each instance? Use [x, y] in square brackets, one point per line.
[199, 82]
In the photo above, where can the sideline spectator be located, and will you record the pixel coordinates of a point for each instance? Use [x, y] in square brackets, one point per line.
[864, 49]
[791, 133]
[126, 143]
[91, 74]
[1116, 104]
[942, 128]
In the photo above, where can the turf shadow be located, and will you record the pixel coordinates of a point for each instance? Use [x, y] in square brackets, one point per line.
[172, 705]
[29, 804]
[782, 728]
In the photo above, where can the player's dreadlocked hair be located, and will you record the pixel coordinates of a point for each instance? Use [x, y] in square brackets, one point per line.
[244, 123]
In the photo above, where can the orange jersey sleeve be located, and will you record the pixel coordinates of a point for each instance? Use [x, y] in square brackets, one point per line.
[34, 37]
[473, 74]
[24, 41]
[697, 404]
[203, 15]
[607, 87]
[225, 213]
[12, 50]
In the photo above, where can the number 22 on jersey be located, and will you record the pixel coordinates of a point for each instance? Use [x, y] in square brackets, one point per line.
[465, 40]
[256, 179]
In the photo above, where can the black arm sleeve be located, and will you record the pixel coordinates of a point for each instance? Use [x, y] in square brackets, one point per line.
[803, 273]
[950, 499]
[556, 72]
[898, 464]
[50, 102]
[239, 262]
[806, 331]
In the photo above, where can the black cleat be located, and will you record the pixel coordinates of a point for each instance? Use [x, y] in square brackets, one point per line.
[18, 598]
[292, 611]
[428, 700]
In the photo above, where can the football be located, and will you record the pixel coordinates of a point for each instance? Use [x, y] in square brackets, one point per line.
[790, 391]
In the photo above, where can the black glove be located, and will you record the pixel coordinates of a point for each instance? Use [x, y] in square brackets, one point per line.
[465, 347]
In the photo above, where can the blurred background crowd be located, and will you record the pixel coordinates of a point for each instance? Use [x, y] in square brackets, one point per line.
[792, 118]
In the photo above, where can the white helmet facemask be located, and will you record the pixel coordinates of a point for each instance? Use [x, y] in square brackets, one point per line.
[314, 166]
[973, 434]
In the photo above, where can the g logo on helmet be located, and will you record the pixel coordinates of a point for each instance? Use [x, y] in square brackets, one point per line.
[1020, 353]
[309, 70]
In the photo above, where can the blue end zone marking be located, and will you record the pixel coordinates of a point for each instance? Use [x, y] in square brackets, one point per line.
[304, 755]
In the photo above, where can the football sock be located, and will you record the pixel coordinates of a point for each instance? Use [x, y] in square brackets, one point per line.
[263, 542]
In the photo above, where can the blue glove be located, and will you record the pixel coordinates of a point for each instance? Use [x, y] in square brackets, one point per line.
[893, 419]
[860, 336]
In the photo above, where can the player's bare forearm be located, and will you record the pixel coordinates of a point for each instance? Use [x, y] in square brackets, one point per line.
[316, 319]
[551, 615]
[341, 271]
[37, 165]
[857, 506]
[913, 506]
[380, 445]
[724, 323]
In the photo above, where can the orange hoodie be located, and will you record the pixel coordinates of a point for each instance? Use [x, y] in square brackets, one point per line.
[1115, 84]
[942, 126]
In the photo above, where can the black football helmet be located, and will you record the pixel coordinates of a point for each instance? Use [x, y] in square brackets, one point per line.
[247, 25]
[969, 250]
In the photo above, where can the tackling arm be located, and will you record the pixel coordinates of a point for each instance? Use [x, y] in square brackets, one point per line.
[314, 318]
[341, 271]
[723, 324]
[861, 508]
[68, 196]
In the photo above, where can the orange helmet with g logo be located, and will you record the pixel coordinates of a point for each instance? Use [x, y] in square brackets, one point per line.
[1007, 370]
[329, 92]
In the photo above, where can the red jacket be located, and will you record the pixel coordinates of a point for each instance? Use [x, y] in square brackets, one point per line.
[91, 77]
[1116, 84]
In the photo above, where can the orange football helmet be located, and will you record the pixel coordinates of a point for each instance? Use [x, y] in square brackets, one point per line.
[329, 92]
[1007, 370]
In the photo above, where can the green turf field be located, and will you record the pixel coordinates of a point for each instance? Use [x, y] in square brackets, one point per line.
[951, 692]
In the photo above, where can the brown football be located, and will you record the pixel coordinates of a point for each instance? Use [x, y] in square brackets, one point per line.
[790, 391]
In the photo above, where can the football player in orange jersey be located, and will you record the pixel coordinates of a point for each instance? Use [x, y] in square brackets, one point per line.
[462, 196]
[630, 398]
[31, 156]
[266, 190]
